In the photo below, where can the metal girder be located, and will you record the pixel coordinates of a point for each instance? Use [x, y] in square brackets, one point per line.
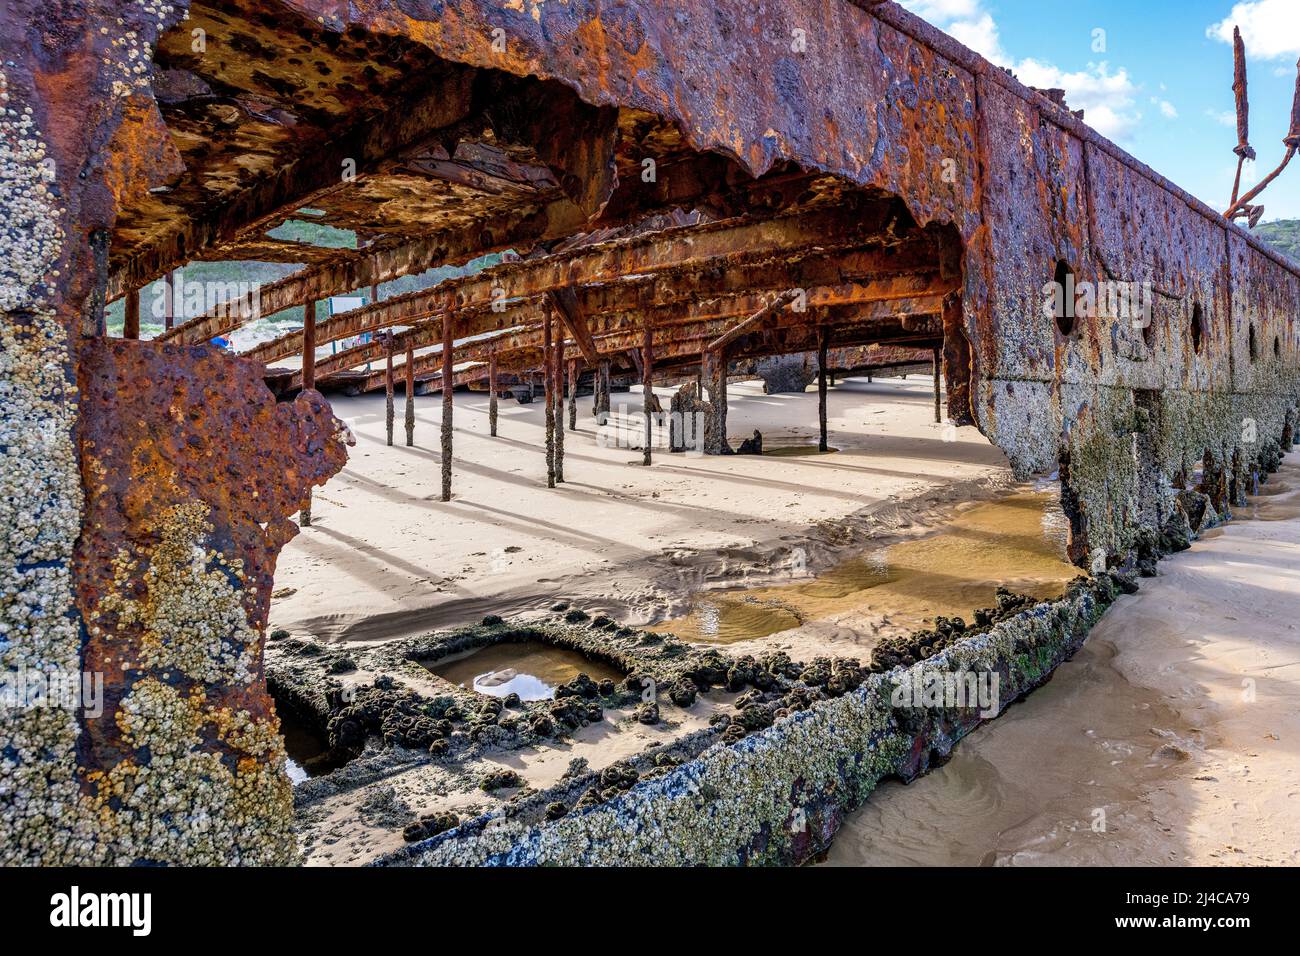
[565, 302]
[922, 295]
[366, 146]
[906, 270]
[720, 246]
[754, 321]
[905, 319]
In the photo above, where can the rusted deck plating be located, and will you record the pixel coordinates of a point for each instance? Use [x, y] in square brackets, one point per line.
[661, 174]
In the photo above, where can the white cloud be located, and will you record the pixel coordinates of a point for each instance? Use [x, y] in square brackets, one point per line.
[981, 35]
[967, 21]
[1271, 28]
[1223, 117]
[1109, 100]
[1167, 109]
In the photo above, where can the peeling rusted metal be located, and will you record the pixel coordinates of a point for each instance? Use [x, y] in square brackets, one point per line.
[921, 196]
[191, 470]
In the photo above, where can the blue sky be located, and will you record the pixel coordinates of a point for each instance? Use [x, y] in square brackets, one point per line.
[1158, 80]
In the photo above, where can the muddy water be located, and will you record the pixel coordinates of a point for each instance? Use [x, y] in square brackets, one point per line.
[307, 748]
[1017, 542]
[531, 669]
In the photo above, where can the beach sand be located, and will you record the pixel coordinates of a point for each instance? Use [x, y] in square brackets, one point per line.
[386, 558]
[1143, 749]
[1172, 738]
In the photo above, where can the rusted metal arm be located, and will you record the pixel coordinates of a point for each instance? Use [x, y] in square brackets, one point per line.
[753, 322]
[566, 304]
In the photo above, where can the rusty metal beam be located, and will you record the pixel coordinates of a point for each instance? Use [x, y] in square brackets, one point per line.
[387, 260]
[410, 396]
[713, 245]
[753, 322]
[919, 294]
[550, 405]
[131, 316]
[308, 383]
[447, 406]
[565, 302]
[492, 387]
[878, 321]
[354, 153]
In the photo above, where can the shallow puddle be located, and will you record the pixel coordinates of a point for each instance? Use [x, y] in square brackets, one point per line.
[531, 669]
[1259, 506]
[307, 748]
[1018, 542]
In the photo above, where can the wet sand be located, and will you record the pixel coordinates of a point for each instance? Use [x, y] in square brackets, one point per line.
[1172, 738]
[1018, 541]
[385, 558]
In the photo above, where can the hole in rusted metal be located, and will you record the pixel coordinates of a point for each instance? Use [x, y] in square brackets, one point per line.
[1198, 326]
[1063, 308]
[1254, 344]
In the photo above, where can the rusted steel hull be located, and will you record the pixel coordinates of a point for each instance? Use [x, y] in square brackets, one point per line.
[154, 460]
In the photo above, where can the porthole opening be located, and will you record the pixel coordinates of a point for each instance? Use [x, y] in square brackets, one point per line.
[1063, 307]
[1198, 326]
[1148, 323]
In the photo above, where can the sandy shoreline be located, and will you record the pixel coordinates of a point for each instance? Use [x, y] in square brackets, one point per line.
[1176, 726]
[385, 558]
[1141, 750]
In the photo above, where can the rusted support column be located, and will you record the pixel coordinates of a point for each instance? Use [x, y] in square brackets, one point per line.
[715, 426]
[957, 362]
[492, 390]
[573, 395]
[600, 400]
[169, 300]
[647, 386]
[131, 323]
[447, 391]
[388, 393]
[410, 394]
[548, 384]
[557, 375]
[938, 400]
[308, 382]
[823, 338]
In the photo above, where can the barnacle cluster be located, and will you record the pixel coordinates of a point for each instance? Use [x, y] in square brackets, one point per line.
[40, 503]
[191, 618]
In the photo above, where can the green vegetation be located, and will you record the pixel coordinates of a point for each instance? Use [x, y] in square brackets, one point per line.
[1283, 235]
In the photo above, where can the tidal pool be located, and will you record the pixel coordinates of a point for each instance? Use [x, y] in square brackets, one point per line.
[531, 669]
[308, 749]
[1018, 542]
